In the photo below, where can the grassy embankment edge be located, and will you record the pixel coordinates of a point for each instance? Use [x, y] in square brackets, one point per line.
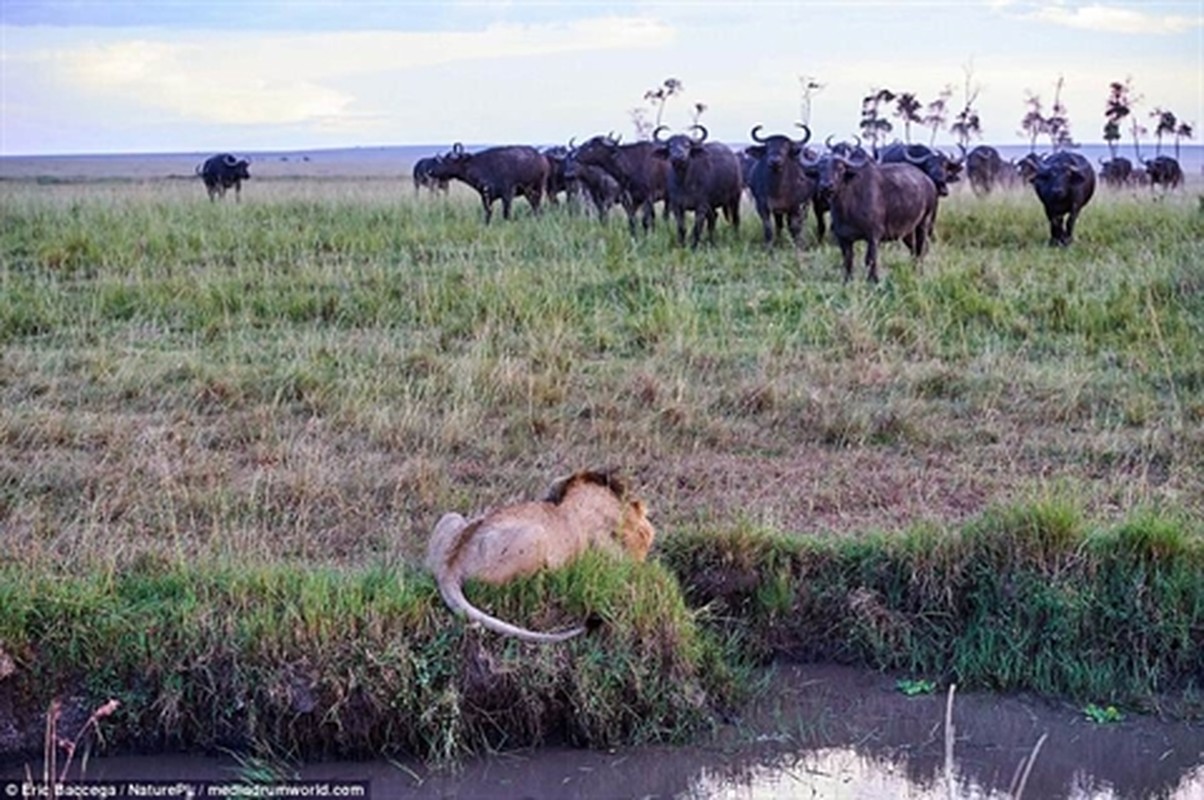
[300, 662]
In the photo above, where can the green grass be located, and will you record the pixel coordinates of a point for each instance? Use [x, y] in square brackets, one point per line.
[219, 422]
[1027, 597]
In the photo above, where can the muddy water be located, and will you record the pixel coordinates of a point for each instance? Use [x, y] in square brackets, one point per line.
[819, 731]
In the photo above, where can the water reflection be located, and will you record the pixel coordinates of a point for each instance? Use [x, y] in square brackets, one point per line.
[818, 732]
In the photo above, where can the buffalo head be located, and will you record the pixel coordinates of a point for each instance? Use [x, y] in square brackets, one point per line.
[778, 149]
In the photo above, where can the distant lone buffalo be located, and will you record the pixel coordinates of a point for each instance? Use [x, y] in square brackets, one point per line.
[497, 173]
[1064, 183]
[222, 171]
[1164, 171]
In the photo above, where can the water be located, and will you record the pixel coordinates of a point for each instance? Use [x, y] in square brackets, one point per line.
[390, 161]
[819, 731]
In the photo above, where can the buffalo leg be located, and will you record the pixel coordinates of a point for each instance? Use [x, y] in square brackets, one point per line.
[1056, 234]
[1070, 219]
[846, 258]
[794, 222]
[871, 260]
[679, 214]
[766, 227]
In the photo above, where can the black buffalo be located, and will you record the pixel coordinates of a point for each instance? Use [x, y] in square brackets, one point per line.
[594, 182]
[1116, 172]
[1164, 171]
[986, 169]
[776, 180]
[819, 201]
[1064, 183]
[873, 203]
[933, 163]
[497, 172]
[703, 178]
[557, 180]
[642, 177]
[222, 171]
[423, 177]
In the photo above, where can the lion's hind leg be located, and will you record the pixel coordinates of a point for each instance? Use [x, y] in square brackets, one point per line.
[447, 531]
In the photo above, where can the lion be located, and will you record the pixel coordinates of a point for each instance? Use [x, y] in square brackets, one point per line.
[588, 509]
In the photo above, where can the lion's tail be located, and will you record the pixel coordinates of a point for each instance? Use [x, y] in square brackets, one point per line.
[453, 595]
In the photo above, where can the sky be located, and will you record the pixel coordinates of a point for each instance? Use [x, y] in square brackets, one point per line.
[130, 76]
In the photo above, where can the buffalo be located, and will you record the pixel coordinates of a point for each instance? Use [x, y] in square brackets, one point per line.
[1064, 183]
[703, 178]
[933, 163]
[602, 190]
[986, 169]
[1164, 171]
[642, 177]
[222, 171]
[422, 175]
[557, 181]
[777, 182]
[873, 203]
[497, 172]
[1116, 172]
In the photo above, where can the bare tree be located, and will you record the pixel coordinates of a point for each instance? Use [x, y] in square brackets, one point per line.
[907, 108]
[872, 124]
[808, 88]
[966, 125]
[1184, 131]
[1167, 122]
[670, 87]
[1033, 122]
[937, 113]
[639, 119]
[699, 108]
[1057, 124]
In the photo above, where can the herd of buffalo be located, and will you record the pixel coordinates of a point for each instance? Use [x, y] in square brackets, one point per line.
[891, 194]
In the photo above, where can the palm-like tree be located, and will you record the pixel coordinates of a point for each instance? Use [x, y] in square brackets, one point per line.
[670, 87]
[1184, 131]
[872, 124]
[1166, 126]
[937, 113]
[1115, 109]
[907, 108]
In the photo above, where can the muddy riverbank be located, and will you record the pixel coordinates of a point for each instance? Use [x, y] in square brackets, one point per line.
[816, 730]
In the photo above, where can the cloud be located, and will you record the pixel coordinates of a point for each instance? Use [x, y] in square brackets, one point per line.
[235, 78]
[1113, 19]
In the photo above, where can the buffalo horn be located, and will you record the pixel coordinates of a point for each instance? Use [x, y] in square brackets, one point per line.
[828, 141]
[806, 134]
[229, 160]
[912, 159]
[754, 134]
[656, 134]
[702, 128]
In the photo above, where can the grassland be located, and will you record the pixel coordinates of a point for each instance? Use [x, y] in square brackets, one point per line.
[226, 430]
